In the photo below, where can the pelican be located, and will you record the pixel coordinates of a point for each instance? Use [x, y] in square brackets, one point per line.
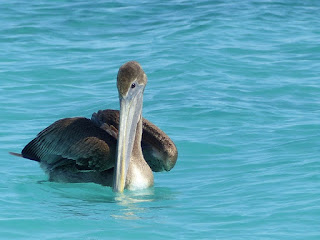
[116, 149]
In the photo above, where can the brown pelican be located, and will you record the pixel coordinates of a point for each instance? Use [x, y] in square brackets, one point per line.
[112, 150]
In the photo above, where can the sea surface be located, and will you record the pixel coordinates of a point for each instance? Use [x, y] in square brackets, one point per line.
[235, 84]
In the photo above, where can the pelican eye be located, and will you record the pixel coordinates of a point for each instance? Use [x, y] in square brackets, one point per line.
[133, 85]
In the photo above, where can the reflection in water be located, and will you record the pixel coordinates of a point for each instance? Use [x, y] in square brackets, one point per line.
[93, 200]
[131, 202]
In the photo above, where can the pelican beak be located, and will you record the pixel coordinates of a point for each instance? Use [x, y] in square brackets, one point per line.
[130, 114]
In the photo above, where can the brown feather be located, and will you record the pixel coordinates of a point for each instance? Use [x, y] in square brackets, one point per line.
[158, 149]
[73, 140]
[16, 154]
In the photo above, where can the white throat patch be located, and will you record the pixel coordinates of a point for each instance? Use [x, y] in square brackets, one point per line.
[139, 181]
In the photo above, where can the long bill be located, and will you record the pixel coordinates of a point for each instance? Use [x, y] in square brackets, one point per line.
[130, 113]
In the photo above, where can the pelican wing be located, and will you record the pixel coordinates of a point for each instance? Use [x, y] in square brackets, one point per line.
[158, 149]
[73, 141]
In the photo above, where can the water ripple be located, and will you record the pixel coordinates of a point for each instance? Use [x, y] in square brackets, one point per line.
[235, 84]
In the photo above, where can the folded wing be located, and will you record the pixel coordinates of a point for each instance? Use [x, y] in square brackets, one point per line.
[73, 141]
[158, 149]
[91, 144]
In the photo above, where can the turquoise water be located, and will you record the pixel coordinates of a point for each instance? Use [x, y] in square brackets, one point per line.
[234, 83]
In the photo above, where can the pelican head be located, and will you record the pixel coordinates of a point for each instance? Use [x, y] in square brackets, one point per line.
[131, 82]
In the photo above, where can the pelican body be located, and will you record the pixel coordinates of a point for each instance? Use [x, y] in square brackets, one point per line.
[114, 148]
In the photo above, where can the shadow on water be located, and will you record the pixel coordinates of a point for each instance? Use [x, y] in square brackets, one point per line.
[92, 199]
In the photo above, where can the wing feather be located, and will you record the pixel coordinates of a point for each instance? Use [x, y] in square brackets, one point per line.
[73, 141]
[91, 144]
[158, 149]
